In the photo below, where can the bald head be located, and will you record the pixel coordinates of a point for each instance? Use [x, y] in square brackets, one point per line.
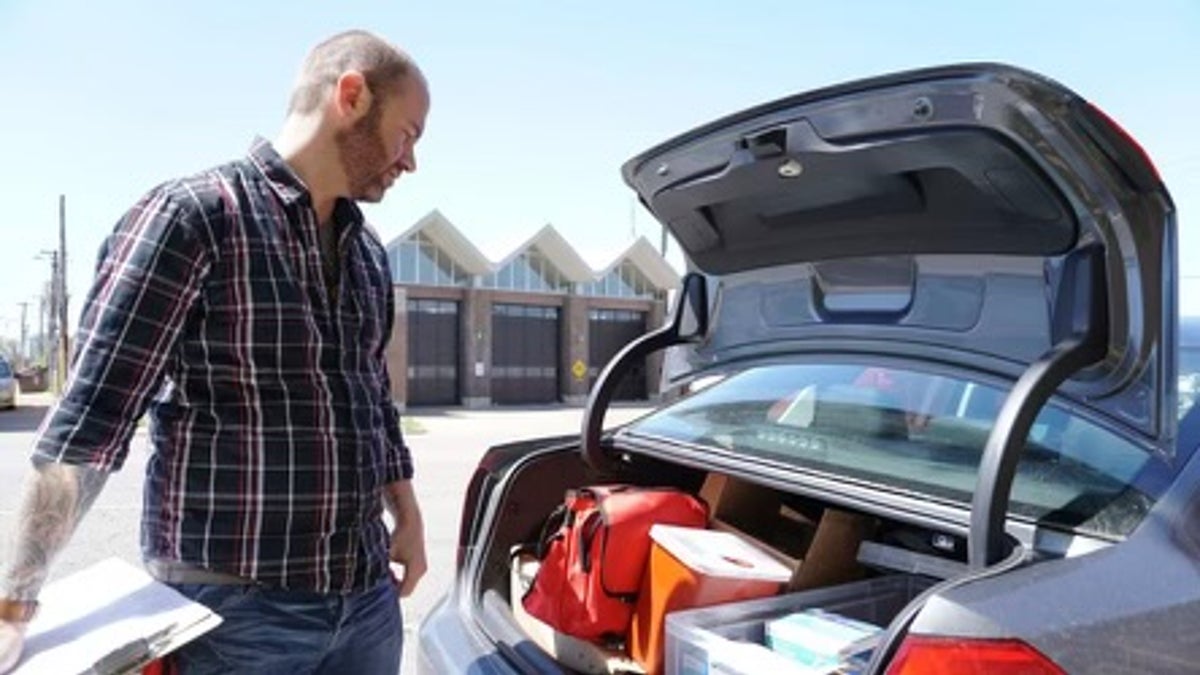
[384, 67]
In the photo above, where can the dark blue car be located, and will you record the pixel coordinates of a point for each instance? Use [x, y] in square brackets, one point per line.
[934, 318]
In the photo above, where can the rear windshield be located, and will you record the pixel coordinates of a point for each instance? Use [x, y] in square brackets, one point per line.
[917, 434]
[4, 369]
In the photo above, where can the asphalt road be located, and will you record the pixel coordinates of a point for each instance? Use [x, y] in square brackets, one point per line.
[446, 445]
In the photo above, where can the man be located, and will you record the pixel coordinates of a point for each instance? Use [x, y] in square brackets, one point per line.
[248, 309]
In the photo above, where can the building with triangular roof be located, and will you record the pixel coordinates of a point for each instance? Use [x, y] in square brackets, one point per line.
[534, 327]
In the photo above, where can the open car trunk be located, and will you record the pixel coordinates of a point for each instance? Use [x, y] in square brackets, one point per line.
[980, 218]
[843, 560]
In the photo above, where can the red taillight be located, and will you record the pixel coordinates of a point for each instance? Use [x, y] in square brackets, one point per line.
[963, 656]
[1129, 140]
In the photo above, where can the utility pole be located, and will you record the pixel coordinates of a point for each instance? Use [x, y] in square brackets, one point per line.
[49, 337]
[22, 355]
[43, 305]
[64, 334]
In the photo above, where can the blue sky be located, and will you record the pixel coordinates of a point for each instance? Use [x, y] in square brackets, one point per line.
[535, 104]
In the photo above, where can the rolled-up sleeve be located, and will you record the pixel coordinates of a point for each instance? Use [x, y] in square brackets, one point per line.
[399, 459]
[148, 277]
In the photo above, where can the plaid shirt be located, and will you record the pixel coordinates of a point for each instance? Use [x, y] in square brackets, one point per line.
[271, 416]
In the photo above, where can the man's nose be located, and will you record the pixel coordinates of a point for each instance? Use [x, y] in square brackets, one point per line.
[409, 162]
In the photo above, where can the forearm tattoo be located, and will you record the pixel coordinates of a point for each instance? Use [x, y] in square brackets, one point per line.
[56, 498]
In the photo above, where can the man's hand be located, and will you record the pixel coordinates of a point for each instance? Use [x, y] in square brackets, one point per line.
[408, 537]
[408, 550]
[12, 640]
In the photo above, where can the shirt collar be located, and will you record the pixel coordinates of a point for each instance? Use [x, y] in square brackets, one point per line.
[279, 175]
[284, 181]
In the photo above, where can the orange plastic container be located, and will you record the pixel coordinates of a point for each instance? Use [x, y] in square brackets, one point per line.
[692, 567]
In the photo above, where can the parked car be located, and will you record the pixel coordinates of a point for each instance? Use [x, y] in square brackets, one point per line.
[938, 305]
[8, 385]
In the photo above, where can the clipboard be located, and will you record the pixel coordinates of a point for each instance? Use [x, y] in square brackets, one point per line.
[109, 618]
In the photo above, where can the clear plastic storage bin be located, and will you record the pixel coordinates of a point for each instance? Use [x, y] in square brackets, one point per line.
[731, 638]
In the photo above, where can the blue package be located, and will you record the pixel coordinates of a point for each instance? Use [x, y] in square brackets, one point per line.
[817, 638]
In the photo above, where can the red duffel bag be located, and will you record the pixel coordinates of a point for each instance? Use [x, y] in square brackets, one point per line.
[593, 551]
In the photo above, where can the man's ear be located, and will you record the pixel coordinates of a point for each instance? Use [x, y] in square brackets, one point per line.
[351, 97]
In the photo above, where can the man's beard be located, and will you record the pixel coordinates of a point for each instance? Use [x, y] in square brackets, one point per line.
[363, 156]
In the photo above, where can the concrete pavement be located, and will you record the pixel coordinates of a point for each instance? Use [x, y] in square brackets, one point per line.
[446, 445]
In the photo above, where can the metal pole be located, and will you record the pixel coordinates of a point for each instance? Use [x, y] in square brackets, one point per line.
[22, 354]
[63, 332]
[41, 356]
[52, 327]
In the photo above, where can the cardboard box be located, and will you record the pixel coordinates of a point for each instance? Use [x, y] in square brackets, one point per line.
[832, 557]
[760, 513]
[691, 568]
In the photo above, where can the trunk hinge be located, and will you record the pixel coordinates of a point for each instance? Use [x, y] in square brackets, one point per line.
[1079, 333]
[688, 323]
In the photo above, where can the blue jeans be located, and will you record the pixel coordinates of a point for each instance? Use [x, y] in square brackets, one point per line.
[267, 631]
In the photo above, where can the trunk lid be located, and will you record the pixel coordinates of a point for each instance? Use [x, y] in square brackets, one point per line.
[941, 214]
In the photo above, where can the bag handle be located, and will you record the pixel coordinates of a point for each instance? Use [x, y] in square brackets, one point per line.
[551, 530]
[587, 533]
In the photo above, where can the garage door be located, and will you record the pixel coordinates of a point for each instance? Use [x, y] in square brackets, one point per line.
[524, 354]
[609, 330]
[433, 346]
